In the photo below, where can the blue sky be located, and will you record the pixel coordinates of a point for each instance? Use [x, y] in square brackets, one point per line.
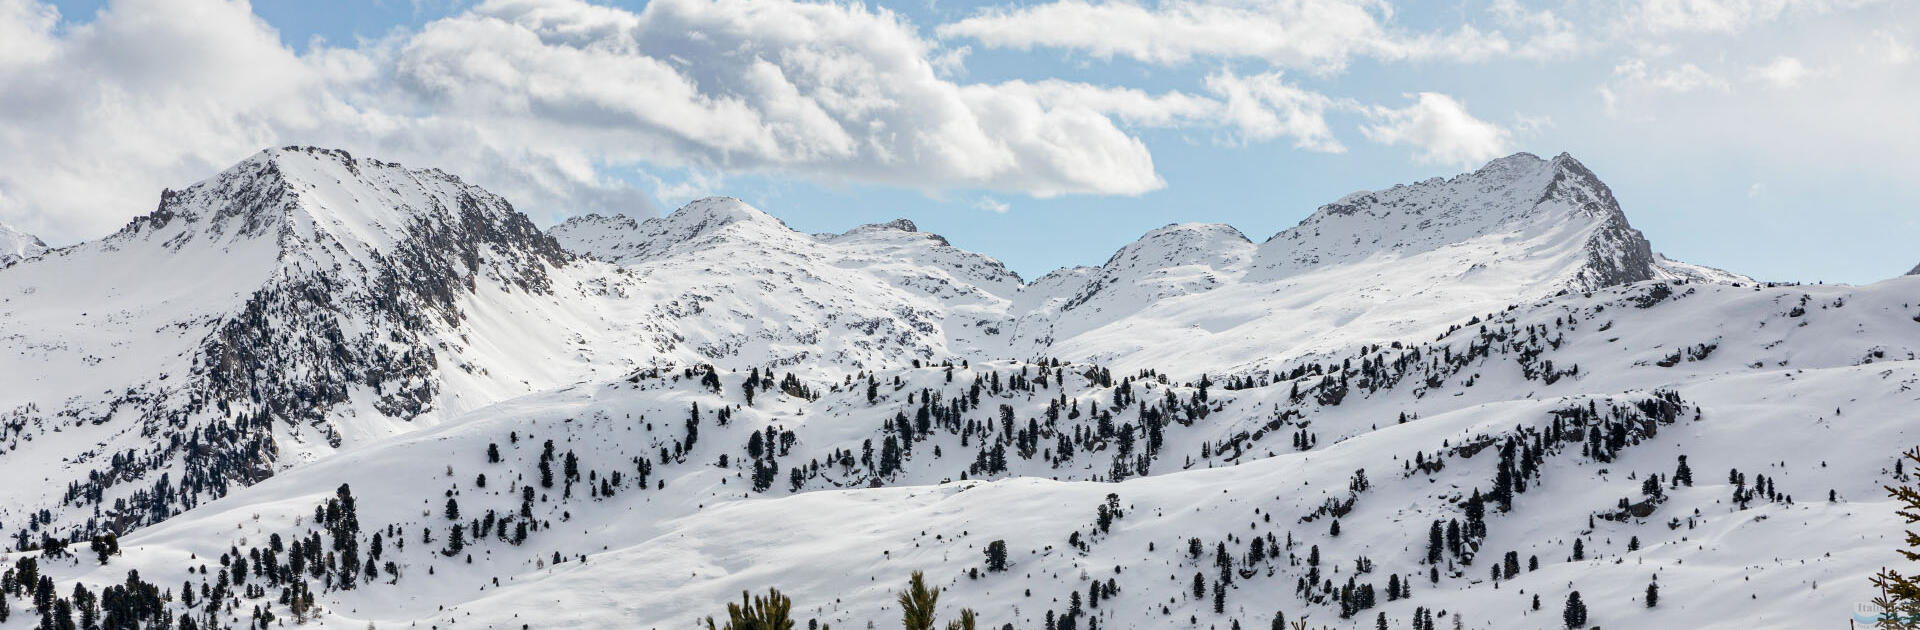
[1769, 137]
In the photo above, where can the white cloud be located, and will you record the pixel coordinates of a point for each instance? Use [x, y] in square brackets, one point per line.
[1440, 129]
[695, 184]
[1552, 36]
[1782, 72]
[1722, 16]
[534, 99]
[990, 204]
[1319, 35]
[1891, 48]
[26, 31]
[1130, 106]
[1255, 108]
[1528, 125]
[1685, 77]
[1262, 107]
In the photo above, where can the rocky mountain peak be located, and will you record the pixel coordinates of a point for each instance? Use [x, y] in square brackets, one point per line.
[702, 215]
[16, 245]
[1519, 195]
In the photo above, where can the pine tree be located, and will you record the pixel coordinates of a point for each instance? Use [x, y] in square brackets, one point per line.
[456, 540]
[917, 602]
[1434, 543]
[1653, 594]
[758, 613]
[1575, 613]
[1899, 600]
[917, 607]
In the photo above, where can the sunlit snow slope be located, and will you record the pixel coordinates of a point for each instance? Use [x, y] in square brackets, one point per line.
[336, 367]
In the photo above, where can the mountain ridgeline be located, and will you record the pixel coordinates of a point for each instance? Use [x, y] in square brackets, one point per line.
[1202, 431]
[307, 298]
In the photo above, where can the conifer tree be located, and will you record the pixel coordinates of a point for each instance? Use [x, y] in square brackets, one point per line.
[1899, 600]
[771, 612]
[917, 607]
[997, 556]
[1575, 613]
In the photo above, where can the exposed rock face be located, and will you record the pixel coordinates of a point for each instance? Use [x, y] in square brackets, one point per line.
[16, 245]
[297, 288]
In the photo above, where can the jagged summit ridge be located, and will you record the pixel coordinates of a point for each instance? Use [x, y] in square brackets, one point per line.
[325, 202]
[1518, 194]
[697, 224]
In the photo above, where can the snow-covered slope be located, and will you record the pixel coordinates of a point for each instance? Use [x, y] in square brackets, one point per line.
[302, 300]
[626, 422]
[660, 521]
[730, 284]
[16, 245]
[1187, 297]
[306, 300]
[1378, 265]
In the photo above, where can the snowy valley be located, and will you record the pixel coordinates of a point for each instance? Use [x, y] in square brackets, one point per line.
[324, 389]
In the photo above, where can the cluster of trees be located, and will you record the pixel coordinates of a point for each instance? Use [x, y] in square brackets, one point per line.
[774, 611]
[329, 555]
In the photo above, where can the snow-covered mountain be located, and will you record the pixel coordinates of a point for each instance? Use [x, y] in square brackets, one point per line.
[302, 299]
[380, 396]
[16, 245]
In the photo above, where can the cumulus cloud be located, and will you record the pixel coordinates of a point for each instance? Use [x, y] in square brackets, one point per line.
[1440, 129]
[534, 99]
[1263, 107]
[1256, 108]
[1319, 35]
[540, 99]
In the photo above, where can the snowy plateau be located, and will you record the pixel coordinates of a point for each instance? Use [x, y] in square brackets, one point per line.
[329, 390]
